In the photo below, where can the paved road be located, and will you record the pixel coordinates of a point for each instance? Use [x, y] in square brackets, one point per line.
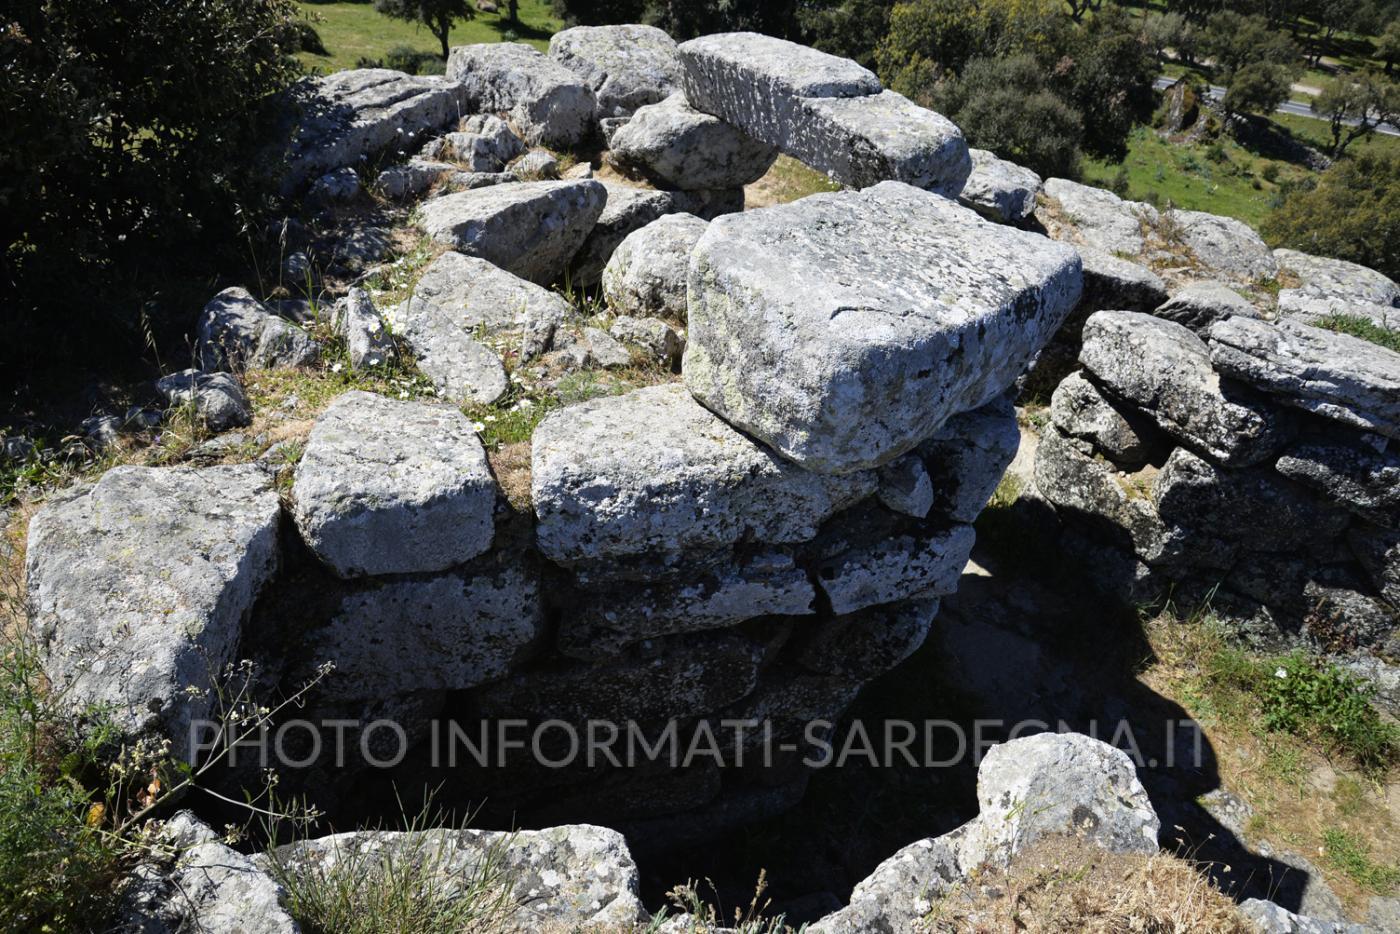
[1287, 107]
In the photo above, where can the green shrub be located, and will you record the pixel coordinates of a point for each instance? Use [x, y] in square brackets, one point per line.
[1302, 695]
[1270, 172]
[1364, 328]
[1351, 213]
[307, 38]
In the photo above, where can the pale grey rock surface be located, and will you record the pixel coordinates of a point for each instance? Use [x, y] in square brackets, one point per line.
[1114, 283]
[571, 876]
[651, 334]
[1332, 286]
[905, 486]
[414, 177]
[673, 145]
[217, 398]
[550, 105]
[449, 632]
[368, 340]
[1356, 476]
[628, 209]
[356, 113]
[235, 331]
[845, 328]
[537, 165]
[1027, 789]
[999, 190]
[591, 348]
[1201, 304]
[140, 584]
[966, 458]
[1164, 369]
[1270, 918]
[903, 567]
[1079, 409]
[826, 111]
[646, 275]
[654, 472]
[474, 295]
[531, 229]
[1100, 218]
[209, 887]
[460, 367]
[1223, 245]
[1334, 375]
[393, 487]
[627, 66]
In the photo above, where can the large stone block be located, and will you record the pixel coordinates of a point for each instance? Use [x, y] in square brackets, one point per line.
[627, 66]
[391, 487]
[999, 190]
[628, 210]
[548, 103]
[966, 458]
[1334, 375]
[1165, 370]
[1097, 218]
[140, 583]
[826, 111]
[1223, 245]
[673, 145]
[843, 329]
[654, 473]
[236, 331]
[646, 276]
[531, 229]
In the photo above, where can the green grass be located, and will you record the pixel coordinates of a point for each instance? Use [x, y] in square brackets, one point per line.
[351, 31]
[1318, 134]
[1347, 854]
[1364, 328]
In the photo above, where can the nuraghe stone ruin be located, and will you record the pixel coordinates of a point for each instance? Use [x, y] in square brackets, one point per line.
[760, 538]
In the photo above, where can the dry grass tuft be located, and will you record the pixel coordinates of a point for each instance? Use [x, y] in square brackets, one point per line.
[1066, 884]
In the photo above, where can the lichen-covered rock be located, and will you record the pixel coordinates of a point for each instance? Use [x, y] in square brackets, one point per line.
[1378, 550]
[1080, 410]
[537, 165]
[1201, 304]
[414, 177]
[340, 185]
[1327, 286]
[550, 105]
[656, 337]
[646, 275]
[905, 486]
[474, 296]
[575, 876]
[1269, 918]
[236, 331]
[461, 369]
[531, 229]
[628, 209]
[393, 487]
[966, 458]
[826, 111]
[869, 643]
[356, 113]
[845, 328]
[449, 632]
[999, 190]
[1223, 245]
[627, 66]
[653, 472]
[1027, 789]
[1099, 218]
[1114, 283]
[1334, 375]
[209, 887]
[1166, 371]
[217, 398]
[1355, 476]
[902, 567]
[140, 583]
[368, 341]
[672, 145]
[601, 626]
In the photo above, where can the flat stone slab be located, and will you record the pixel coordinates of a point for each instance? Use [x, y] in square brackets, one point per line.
[904, 567]
[141, 582]
[826, 111]
[1114, 283]
[654, 472]
[1334, 375]
[1165, 370]
[845, 328]
[628, 209]
[355, 113]
[673, 145]
[393, 487]
[531, 229]
[549, 104]
[1201, 304]
[1224, 245]
[1099, 218]
[1327, 287]
[999, 190]
[477, 296]
[627, 66]
[460, 367]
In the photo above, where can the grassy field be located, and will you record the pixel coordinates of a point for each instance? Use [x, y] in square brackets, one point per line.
[351, 31]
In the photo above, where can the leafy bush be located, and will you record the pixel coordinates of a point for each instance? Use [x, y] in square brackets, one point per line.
[1352, 213]
[126, 151]
[406, 59]
[1301, 695]
[308, 39]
